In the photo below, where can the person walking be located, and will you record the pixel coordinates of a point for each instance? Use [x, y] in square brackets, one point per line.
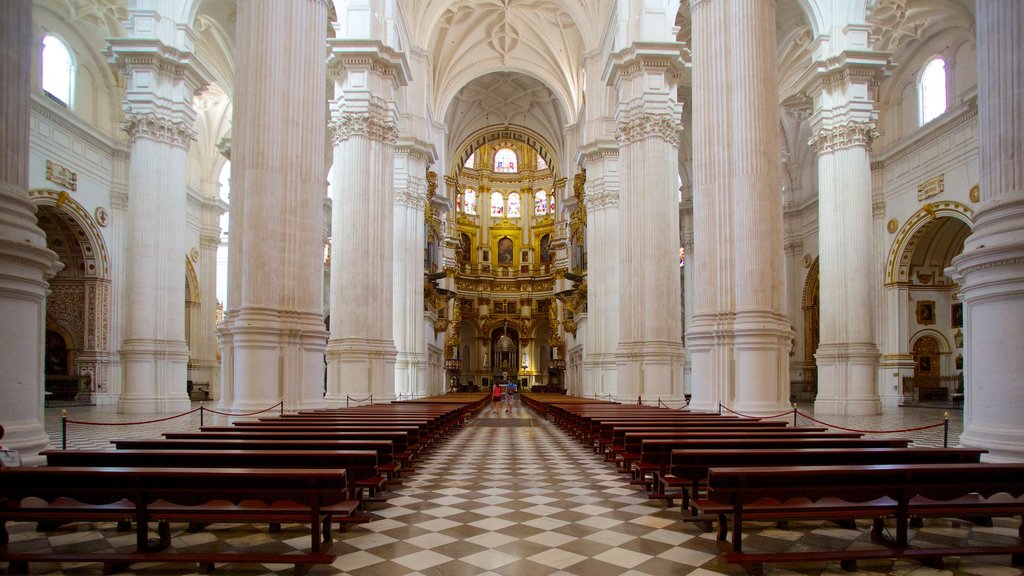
[495, 397]
[511, 389]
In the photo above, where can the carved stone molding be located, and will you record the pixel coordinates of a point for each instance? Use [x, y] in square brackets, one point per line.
[843, 136]
[640, 126]
[411, 198]
[370, 125]
[601, 199]
[159, 129]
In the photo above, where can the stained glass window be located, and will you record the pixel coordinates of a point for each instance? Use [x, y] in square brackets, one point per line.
[506, 161]
[497, 204]
[469, 161]
[469, 201]
[513, 205]
[58, 69]
[542, 164]
[551, 205]
[933, 90]
[540, 203]
[458, 203]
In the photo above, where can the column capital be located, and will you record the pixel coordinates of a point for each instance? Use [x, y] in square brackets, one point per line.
[410, 198]
[645, 58]
[349, 55]
[849, 134]
[638, 125]
[160, 80]
[375, 124]
[416, 149]
[158, 128]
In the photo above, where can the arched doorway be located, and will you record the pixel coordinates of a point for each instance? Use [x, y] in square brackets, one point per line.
[922, 319]
[78, 305]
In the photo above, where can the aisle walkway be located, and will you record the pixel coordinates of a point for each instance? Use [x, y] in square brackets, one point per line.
[511, 495]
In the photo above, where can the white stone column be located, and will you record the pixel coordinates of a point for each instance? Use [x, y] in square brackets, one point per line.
[990, 270]
[601, 200]
[844, 128]
[361, 351]
[650, 352]
[25, 262]
[274, 327]
[412, 158]
[740, 336]
[161, 78]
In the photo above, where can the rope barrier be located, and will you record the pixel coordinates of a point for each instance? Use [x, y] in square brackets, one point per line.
[349, 398]
[64, 420]
[786, 413]
[873, 431]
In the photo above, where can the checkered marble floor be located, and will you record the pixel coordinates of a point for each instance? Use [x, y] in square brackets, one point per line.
[496, 499]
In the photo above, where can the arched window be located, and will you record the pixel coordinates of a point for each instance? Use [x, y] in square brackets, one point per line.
[58, 69]
[505, 160]
[933, 90]
[497, 204]
[551, 205]
[469, 161]
[541, 203]
[542, 164]
[513, 205]
[458, 202]
[469, 201]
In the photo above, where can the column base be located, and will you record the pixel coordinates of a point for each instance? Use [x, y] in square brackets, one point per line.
[153, 405]
[154, 377]
[846, 379]
[29, 438]
[359, 368]
[1003, 444]
[650, 368]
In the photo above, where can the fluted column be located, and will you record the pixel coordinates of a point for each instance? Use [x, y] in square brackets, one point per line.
[601, 200]
[844, 128]
[990, 270]
[361, 351]
[410, 199]
[161, 80]
[650, 352]
[25, 262]
[740, 336]
[273, 334]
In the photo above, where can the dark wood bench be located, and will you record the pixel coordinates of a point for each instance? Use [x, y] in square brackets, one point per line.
[357, 464]
[612, 433]
[401, 456]
[373, 485]
[876, 492]
[651, 453]
[139, 490]
[688, 470]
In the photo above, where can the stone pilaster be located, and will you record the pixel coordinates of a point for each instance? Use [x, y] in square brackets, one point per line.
[361, 351]
[25, 262]
[740, 336]
[412, 158]
[650, 352]
[844, 129]
[161, 80]
[601, 201]
[273, 333]
[990, 270]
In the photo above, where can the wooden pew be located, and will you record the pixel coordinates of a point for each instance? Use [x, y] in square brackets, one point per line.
[876, 492]
[95, 490]
[651, 452]
[402, 440]
[613, 434]
[357, 464]
[688, 470]
[374, 485]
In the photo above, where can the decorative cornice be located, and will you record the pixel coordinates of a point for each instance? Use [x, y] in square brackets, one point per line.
[373, 126]
[642, 125]
[409, 197]
[601, 199]
[159, 129]
[926, 136]
[842, 136]
[87, 133]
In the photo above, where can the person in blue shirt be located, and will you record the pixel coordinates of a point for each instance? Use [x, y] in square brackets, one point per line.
[510, 395]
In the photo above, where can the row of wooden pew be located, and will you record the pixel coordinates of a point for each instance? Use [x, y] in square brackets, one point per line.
[730, 469]
[312, 467]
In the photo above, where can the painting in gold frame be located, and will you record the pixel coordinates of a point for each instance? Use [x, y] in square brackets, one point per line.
[925, 312]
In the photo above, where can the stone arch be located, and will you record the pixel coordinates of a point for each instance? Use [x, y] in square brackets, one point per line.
[516, 133]
[85, 226]
[897, 266]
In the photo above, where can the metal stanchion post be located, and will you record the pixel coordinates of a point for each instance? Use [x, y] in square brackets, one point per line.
[64, 429]
[202, 410]
[945, 430]
[282, 406]
[794, 414]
